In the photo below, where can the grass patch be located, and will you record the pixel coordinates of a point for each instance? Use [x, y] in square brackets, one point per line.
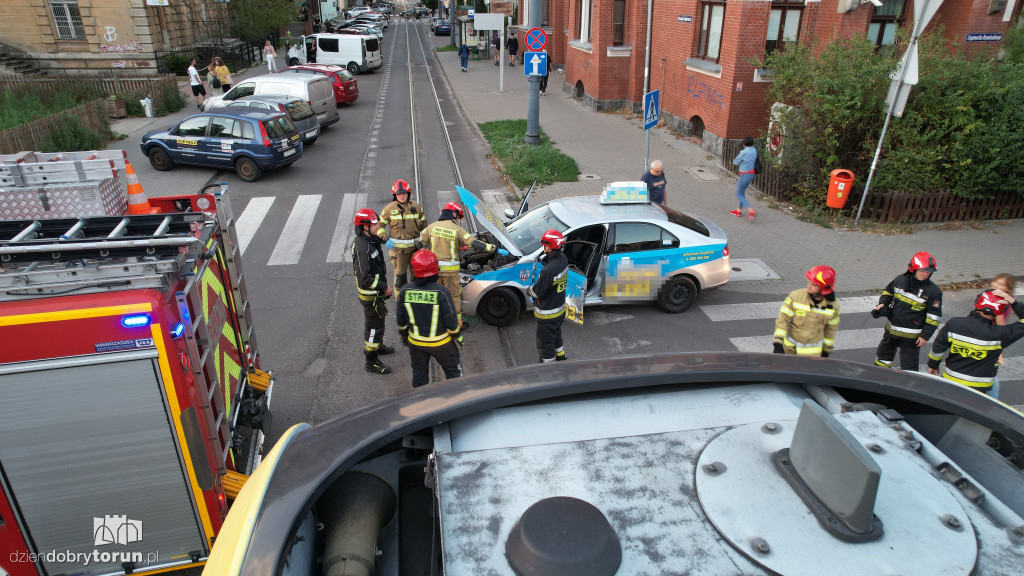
[27, 103]
[523, 163]
[446, 48]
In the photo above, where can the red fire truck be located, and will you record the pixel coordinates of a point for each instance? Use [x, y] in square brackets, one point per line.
[132, 404]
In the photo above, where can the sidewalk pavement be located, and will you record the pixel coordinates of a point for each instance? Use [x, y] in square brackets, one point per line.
[610, 147]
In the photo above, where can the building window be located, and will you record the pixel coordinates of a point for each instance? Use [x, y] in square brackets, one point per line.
[586, 9]
[67, 19]
[618, 22]
[885, 20]
[712, 14]
[783, 25]
[544, 9]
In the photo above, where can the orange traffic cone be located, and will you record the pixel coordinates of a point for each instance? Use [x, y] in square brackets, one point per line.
[137, 201]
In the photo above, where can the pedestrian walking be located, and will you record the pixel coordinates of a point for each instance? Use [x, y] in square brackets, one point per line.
[270, 55]
[548, 294]
[809, 317]
[496, 45]
[971, 344]
[512, 46]
[401, 222]
[464, 57]
[446, 239]
[372, 284]
[745, 160]
[222, 74]
[544, 80]
[427, 321]
[198, 90]
[655, 180]
[913, 306]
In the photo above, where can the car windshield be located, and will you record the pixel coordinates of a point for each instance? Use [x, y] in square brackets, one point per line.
[686, 221]
[299, 110]
[527, 230]
[279, 127]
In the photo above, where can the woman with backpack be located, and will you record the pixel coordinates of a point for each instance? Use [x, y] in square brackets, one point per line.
[746, 160]
[221, 75]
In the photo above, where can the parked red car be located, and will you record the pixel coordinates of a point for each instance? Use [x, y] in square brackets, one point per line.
[346, 89]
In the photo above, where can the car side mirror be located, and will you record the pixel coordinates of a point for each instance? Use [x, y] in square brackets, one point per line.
[509, 213]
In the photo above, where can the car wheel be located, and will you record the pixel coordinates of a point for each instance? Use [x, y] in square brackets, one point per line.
[160, 159]
[248, 170]
[499, 307]
[353, 68]
[677, 295]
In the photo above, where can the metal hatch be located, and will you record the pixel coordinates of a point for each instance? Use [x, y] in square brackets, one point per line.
[488, 219]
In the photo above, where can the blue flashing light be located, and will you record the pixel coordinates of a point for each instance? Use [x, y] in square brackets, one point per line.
[135, 320]
[178, 330]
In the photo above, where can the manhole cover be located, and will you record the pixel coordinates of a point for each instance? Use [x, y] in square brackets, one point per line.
[703, 174]
[589, 176]
[750, 269]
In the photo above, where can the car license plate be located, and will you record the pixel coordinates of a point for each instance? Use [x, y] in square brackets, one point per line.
[310, 134]
[289, 152]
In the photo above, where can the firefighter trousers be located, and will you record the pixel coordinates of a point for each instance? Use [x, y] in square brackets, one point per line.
[450, 280]
[400, 264]
[447, 355]
[374, 312]
[549, 338]
[910, 354]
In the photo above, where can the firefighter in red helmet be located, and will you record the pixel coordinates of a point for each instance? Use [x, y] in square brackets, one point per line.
[972, 344]
[446, 239]
[401, 222]
[809, 317]
[548, 294]
[372, 283]
[913, 306]
[427, 322]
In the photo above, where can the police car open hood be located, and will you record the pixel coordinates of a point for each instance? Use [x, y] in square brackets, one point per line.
[488, 219]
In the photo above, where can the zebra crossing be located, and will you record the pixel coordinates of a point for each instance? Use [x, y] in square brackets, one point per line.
[292, 238]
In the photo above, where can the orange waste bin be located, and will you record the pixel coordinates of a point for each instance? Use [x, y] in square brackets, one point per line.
[840, 183]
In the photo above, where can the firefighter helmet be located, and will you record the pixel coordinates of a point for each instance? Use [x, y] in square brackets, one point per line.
[365, 217]
[922, 261]
[399, 187]
[824, 277]
[456, 210]
[989, 303]
[424, 264]
[552, 239]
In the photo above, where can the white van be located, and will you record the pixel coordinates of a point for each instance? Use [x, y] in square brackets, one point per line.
[356, 52]
[312, 88]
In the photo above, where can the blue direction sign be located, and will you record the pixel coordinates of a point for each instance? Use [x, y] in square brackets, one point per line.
[536, 39]
[650, 110]
[536, 63]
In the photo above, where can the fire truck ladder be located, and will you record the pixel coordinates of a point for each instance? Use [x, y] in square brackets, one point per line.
[56, 256]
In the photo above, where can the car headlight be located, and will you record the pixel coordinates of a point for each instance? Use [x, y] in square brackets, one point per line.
[465, 279]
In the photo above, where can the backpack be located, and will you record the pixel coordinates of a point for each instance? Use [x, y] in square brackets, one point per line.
[215, 82]
[758, 166]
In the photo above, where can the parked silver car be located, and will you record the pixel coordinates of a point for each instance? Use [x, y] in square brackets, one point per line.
[298, 110]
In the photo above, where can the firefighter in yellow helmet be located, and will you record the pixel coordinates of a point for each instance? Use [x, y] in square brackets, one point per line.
[809, 317]
[401, 222]
[445, 238]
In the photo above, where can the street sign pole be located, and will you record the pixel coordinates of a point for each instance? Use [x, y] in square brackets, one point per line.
[532, 136]
[651, 114]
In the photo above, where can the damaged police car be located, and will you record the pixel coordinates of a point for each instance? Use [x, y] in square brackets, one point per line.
[621, 248]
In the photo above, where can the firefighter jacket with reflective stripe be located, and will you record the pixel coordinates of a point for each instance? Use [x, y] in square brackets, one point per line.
[402, 223]
[972, 345]
[549, 289]
[445, 238]
[426, 314]
[915, 307]
[805, 326]
[368, 267]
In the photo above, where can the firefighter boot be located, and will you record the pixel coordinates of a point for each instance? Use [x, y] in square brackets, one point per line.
[373, 364]
[384, 350]
[400, 280]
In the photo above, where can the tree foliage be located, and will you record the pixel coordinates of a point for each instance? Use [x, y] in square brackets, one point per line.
[256, 19]
[961, 128]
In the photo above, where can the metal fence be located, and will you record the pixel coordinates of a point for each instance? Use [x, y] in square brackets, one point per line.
[891, 205]
[32, 135]
[236, 54]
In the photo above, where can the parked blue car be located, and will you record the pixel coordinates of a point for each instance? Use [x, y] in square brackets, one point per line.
[249, 141]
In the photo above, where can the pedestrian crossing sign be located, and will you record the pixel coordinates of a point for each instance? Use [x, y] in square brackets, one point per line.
[651, 111]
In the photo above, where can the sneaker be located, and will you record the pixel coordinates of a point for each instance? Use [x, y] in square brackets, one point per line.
[495, 63]
[751, 215]
[200, 106]
[541, 92]
[736, 213]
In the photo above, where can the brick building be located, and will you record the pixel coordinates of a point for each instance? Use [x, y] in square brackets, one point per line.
[705, 54]
[90, 36]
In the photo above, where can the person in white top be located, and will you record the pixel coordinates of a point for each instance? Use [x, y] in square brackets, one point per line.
[270, 55]
[198, 90]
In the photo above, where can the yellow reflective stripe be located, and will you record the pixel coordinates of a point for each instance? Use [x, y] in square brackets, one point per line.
[433, 320]
[824, 311]
[830, 342]
[408, 310]
[786, 311]
[834, 322]
[780, 333]
[547, 314]
[424, 342]
[934, 357]
[816, 350]
[450, 268]
[799, 306]
[960, 379]
[973, 345]
[931, 322]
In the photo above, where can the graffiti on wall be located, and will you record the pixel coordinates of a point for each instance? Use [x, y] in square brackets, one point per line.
[110, 36]
[707, 94]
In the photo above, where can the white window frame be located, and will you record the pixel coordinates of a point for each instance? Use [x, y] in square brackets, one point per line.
[586, 9]
[67, 19]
